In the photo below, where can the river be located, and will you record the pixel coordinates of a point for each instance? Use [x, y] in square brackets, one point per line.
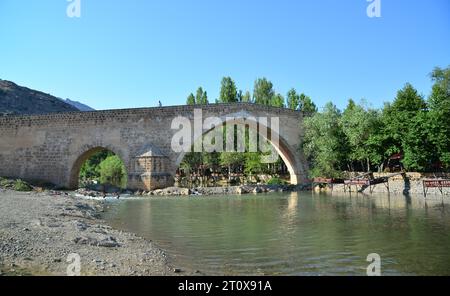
[294, 233]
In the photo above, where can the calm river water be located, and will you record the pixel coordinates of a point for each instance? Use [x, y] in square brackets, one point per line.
[294, 233]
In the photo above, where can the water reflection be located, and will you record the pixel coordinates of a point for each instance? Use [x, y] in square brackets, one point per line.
[294, 233]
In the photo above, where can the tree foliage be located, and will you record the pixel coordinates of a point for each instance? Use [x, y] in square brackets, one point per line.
[90, 168]
[358, 125]
[201, 97]
[263, 91]
[306, 105]
[246, 98]
[325, 143]
[439, 117]
[362, 138]
[113, 172]
[228, 91]
[293, 99]
[190, 100]
[277, 101]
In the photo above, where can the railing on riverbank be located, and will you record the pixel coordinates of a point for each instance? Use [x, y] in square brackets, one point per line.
[327, 181]
[435, 183]
[401, 182]
[369, 183]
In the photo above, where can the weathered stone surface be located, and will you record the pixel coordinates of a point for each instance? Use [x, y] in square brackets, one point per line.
[53, 147]
[409, 184]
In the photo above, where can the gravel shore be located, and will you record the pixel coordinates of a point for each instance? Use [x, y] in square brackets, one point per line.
[39, 230]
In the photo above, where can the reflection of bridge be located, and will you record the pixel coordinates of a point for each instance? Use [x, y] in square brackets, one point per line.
[53, 147]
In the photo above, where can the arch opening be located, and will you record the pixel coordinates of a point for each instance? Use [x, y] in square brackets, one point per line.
[98, 168]
[208, 169]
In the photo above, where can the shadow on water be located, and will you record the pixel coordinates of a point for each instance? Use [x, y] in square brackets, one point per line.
[407, 189]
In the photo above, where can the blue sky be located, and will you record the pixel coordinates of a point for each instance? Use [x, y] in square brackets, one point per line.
[124, 54]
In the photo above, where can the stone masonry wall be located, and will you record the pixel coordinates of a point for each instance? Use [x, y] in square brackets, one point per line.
[411, 185]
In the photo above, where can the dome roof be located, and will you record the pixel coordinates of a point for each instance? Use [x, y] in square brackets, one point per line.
[150, 151]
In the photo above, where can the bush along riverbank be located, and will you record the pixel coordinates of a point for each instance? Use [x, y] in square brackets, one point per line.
[15, 184]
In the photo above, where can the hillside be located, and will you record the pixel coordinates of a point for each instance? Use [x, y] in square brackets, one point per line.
[78, 105]
[15, 99]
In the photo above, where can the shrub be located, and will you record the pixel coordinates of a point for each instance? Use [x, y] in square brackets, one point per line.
[5, 183]
[112, 171]
[20, 185]
[276, 181]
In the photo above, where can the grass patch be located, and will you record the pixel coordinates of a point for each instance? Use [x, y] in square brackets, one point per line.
[20, 185]
[17, 185]
[276, 181]
[5, 183]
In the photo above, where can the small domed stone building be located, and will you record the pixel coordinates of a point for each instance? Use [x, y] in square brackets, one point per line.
[149, 169]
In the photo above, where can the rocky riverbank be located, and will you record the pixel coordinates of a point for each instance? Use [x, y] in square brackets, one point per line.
[199, 191]
[38, 231]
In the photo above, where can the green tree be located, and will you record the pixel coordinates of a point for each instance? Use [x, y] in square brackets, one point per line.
[325, 144]
[228, 91]
[90, 169]
[191, 163]
[247, 98]
[201, 97]
[293, 99]
[419, 151]
[358, 124]
[277, 101]
[112, 171]
[439, 118]
[398, 118]
[253, 163]
[307, 106]
[231, 160]
[263, 91]
[190, 100]
[244, 97]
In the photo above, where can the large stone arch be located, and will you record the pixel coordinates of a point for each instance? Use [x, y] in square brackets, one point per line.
[287, 153]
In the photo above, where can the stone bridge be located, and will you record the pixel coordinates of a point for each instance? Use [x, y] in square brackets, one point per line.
[53, 147]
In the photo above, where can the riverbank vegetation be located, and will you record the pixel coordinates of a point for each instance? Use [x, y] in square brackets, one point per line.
[15, 184]
[411, 133]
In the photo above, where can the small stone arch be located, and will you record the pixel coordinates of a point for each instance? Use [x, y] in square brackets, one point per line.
[83, 154]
